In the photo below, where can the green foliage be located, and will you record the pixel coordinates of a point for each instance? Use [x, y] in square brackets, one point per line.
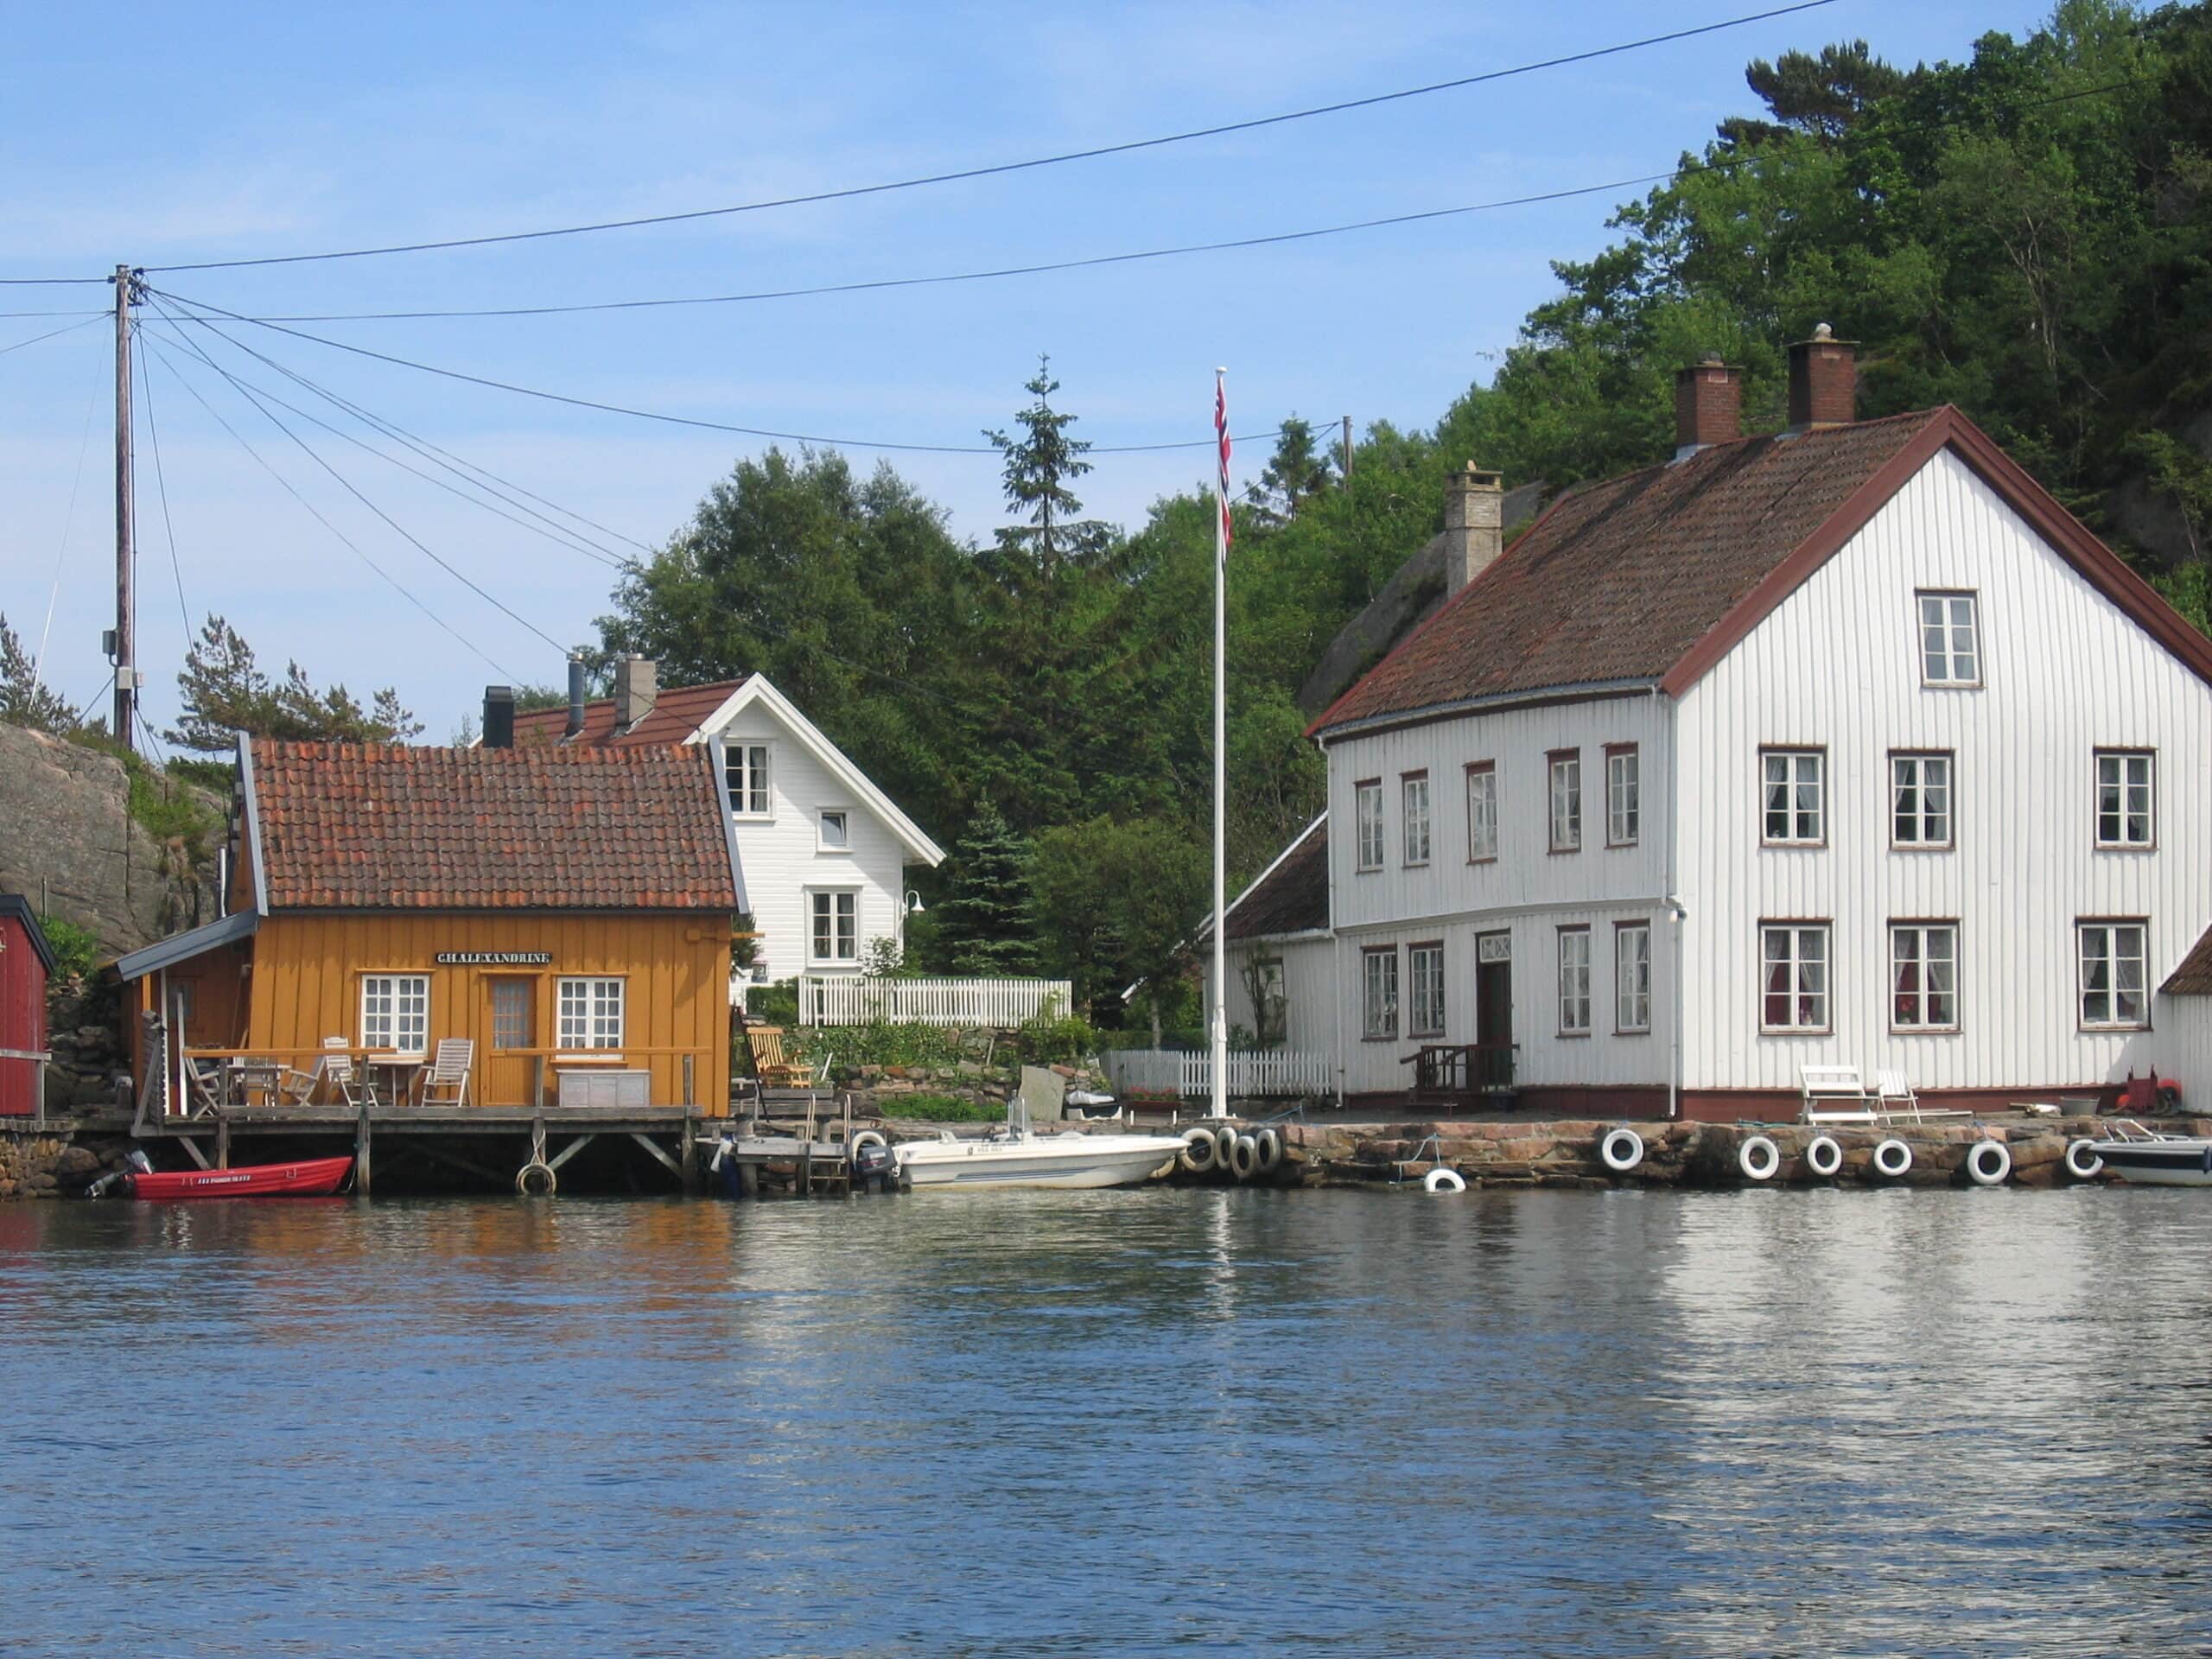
[774, 1005]
[225, 692]
[76, 950]
[1053, 1037]
[170, 809]
[884, 958]
[884, 1044]
[1122, 894]
[940, 1108]
[1039, 466]
[984, 922]
[25, 700]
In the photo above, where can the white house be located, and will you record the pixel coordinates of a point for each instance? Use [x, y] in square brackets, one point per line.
[1844, 746]
[823, 851]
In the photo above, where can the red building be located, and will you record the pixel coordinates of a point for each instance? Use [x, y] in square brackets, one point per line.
[26, 959]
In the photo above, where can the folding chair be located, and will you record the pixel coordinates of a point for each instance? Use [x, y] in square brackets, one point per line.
[448, 1083]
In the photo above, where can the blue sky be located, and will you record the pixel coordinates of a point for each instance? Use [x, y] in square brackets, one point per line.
[172, 135]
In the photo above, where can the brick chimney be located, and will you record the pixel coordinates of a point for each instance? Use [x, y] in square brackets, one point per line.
[1474, 525]
[1708, 405]
[637, 688]
[1823, 381]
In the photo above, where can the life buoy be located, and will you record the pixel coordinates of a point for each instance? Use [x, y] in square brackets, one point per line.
[1622, 1150]
[1988, 1162]
[1441, 1180]
[1893, 1158]
[527, 1180]
[1243, 1157]
[1267, 1143]
[2082, 1160]
[1824, 1156]
[1198, 1155]
[1758, 1158]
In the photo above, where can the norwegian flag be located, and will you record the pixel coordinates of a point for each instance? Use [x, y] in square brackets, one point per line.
[1226, 532]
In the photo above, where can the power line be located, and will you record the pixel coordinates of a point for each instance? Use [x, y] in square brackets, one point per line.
[161, 478]
[650, 414]
[316, 514]
[54, 334]
[347, 484]
[1000, 167]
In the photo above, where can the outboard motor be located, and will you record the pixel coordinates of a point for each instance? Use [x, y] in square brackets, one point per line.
[874, 1167]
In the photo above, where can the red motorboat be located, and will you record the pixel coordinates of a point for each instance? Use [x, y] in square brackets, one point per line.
[312, 1178]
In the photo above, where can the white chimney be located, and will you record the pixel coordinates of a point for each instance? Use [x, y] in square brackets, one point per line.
[637, 688]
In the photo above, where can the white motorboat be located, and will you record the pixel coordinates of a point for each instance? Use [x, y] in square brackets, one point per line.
[1015, 1155]
[2135, 1153]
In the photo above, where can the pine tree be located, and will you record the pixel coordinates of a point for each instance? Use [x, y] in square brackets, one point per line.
[985, 924]
[1039, 465]
[25, 700]
[225, 692]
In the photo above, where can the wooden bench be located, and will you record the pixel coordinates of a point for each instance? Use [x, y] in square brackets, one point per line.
[1833, 1094]
[769, 1065]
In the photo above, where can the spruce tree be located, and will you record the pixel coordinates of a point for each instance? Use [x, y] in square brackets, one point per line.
[985, 923]
[1039, 465]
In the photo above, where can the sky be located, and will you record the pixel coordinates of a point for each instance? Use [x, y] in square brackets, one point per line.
[174, 136]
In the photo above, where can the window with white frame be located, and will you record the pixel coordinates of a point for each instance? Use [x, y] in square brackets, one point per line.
[1566, 800]
[1424, 968]
[1413, 789]
[1923, 976]
[2125, 816]
[746, 766]
[1793, 789]
[1624, 795]
[834, 831]
[1574, 981]
[1378, 993]
[1794, 968]
[590, 1013]
[1482, 810]
[396, 1012]
[1950, 641]
[1632, 976]
[1368, 804]
[834, 933]
[1920, 801]
[2112, 956]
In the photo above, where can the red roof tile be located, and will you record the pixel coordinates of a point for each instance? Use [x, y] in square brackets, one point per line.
[1620, 580]
[381, 826]
[675, 715]
[1292, 897]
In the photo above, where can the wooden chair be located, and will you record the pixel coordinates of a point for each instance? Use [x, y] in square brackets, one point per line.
[447, 1081]
[339, 1078]
[1894, 1099]
[769, 1065]
[1833, 1094]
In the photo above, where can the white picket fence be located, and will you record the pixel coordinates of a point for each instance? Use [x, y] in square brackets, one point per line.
[1004, 1003]
[1253, 1075]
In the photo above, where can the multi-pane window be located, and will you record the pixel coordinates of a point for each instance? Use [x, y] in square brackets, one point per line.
[511, 1011]
[1573, 982]
[746, 767]
[2124, 804]
[590, 1013]
[1923, 976]
[1378, 992]
[1413, 789]
[835, 934]
[396, 1012]
[835, 831]
[1951, 643]
[1424, 968]
[1794, 791]
[1624, 796]
[1368, 803]
[1567, 801]
[2112, 975]
[1632, 976]
[1920, 800]
[1482, 810]
[1794, 969]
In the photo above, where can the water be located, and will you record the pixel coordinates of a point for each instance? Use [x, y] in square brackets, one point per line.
[1112, 1423]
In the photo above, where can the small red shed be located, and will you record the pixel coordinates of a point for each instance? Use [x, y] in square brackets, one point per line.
[26, 959]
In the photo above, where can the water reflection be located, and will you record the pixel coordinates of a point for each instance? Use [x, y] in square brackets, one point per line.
[1078, 1423]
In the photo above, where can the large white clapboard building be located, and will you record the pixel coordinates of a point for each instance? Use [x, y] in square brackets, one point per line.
[1842, 746]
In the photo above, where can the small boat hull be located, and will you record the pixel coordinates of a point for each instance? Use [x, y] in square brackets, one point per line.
[1065, 1161]
[2157, 1163]
[311, 1178]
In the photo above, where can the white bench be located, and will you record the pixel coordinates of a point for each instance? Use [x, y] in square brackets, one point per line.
[1833, 1094]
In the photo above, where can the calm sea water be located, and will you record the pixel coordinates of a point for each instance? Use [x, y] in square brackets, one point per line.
[1771, 1423]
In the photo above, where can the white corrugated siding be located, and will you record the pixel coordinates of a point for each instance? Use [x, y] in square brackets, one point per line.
[2064, 673]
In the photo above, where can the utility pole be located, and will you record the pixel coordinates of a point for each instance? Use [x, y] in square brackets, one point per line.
[1347, 447]
[126, 654]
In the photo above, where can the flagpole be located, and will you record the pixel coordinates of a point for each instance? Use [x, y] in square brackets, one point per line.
[1219, 1025]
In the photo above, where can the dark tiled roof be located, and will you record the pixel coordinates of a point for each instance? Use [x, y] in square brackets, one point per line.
[1620, 580]
[2194, 976]
[381, 826]
[675, 715]
[1292, 897]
